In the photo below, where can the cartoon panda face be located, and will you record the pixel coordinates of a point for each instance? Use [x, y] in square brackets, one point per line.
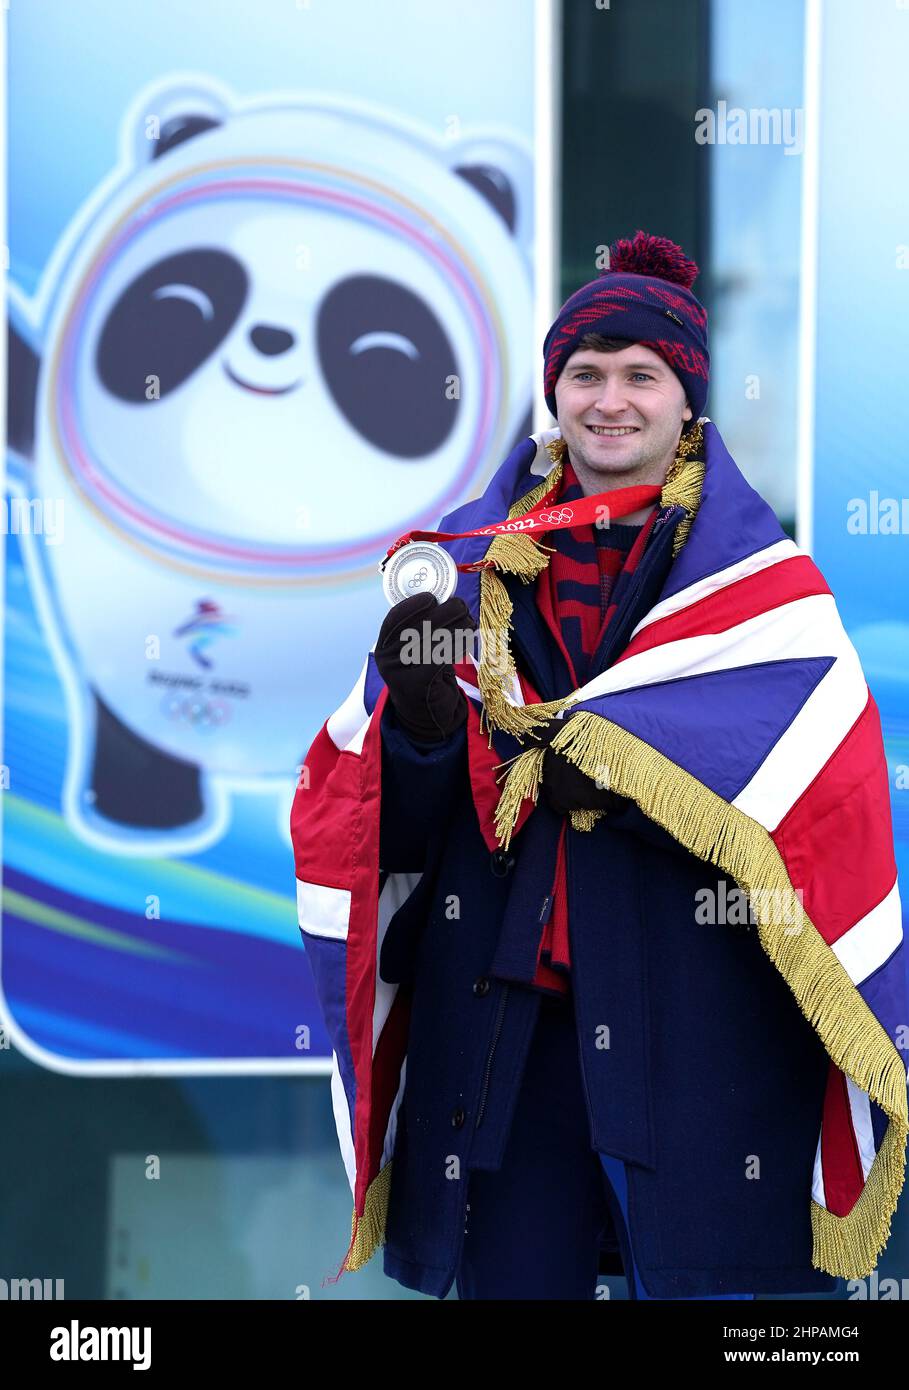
[280, 341]
[250, 364]
[379, 347]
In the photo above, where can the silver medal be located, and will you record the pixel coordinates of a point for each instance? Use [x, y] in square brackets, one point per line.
[418, 567]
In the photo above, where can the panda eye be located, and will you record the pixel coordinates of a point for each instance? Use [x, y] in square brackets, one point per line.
[169, 321]
[388, 364]
[396, 341]
[191, 293]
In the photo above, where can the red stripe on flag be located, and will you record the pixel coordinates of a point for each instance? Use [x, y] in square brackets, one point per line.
[484, 762]
[391, 1048]
[327, 789]
[746, 598]
[847, 805]
[840, 1160]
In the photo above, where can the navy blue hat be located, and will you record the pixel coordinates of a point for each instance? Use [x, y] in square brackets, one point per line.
[644, 296]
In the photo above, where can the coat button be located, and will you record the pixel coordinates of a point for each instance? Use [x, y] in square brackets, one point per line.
[481, 986]
[500, 861]
[457, 1117]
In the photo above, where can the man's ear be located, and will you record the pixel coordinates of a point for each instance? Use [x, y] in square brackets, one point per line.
[686, 413]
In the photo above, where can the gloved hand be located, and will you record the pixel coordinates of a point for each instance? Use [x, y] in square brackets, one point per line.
[565, 786]
[427, 699]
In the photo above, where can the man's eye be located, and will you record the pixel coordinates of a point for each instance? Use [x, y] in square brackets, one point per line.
[645, 375]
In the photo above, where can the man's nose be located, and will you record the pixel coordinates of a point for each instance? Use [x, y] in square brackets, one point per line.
[612, 398]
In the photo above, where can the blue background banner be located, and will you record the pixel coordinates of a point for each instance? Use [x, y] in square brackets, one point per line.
[258, 329]
[861, 403]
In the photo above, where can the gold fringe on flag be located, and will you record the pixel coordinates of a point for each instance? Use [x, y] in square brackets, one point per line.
[527, 782]
[684, 483]
[369, 1232]
[517, 554]
[713, 830]
[585, 819]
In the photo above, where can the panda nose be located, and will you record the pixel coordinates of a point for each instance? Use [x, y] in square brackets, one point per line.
[270, 341]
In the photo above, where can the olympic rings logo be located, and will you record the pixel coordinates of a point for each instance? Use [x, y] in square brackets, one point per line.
[556, 515]
[203, 715]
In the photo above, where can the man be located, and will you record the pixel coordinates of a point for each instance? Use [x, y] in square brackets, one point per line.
[556, 1048]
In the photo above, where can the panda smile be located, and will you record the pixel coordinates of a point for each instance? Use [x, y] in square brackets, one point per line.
[260, 390]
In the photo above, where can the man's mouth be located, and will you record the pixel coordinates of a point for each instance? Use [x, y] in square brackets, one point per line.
[610, 432]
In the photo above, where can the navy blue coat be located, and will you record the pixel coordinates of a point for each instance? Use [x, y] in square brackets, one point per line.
[710, 1066]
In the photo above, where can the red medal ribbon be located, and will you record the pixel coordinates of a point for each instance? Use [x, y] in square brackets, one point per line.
[546, 517]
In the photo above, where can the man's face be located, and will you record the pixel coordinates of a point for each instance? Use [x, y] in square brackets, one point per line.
[633, 388]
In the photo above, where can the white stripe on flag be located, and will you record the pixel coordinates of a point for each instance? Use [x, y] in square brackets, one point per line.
[388, 1147]
[469, 689]
[397, 888]
[323, 911]
[542, 462]
[712, 583]
[513, 694]
[355, 745]
[860, 1109]
[805, 628]
[343, 1123]
[817, 1185]
[873, 939]
[799, 754]
[348, 719]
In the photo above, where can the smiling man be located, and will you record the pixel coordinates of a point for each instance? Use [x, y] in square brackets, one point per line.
[557, 1052]
[621, 411]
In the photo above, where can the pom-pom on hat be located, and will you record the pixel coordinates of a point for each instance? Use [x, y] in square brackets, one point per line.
[644, 296]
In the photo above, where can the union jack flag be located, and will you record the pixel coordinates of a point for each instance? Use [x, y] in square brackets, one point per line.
[738, 717]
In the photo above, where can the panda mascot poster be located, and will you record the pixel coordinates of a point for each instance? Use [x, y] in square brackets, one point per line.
[234, 381]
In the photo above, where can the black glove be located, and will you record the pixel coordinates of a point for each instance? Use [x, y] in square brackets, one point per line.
[565, 786]
[427, 699]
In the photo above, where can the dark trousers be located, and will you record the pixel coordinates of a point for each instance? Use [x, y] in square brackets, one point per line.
[534, 1227]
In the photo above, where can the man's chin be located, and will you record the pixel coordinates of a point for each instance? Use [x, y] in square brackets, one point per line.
[614, 467]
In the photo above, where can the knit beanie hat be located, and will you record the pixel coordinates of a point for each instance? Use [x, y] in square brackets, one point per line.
[644, 296]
